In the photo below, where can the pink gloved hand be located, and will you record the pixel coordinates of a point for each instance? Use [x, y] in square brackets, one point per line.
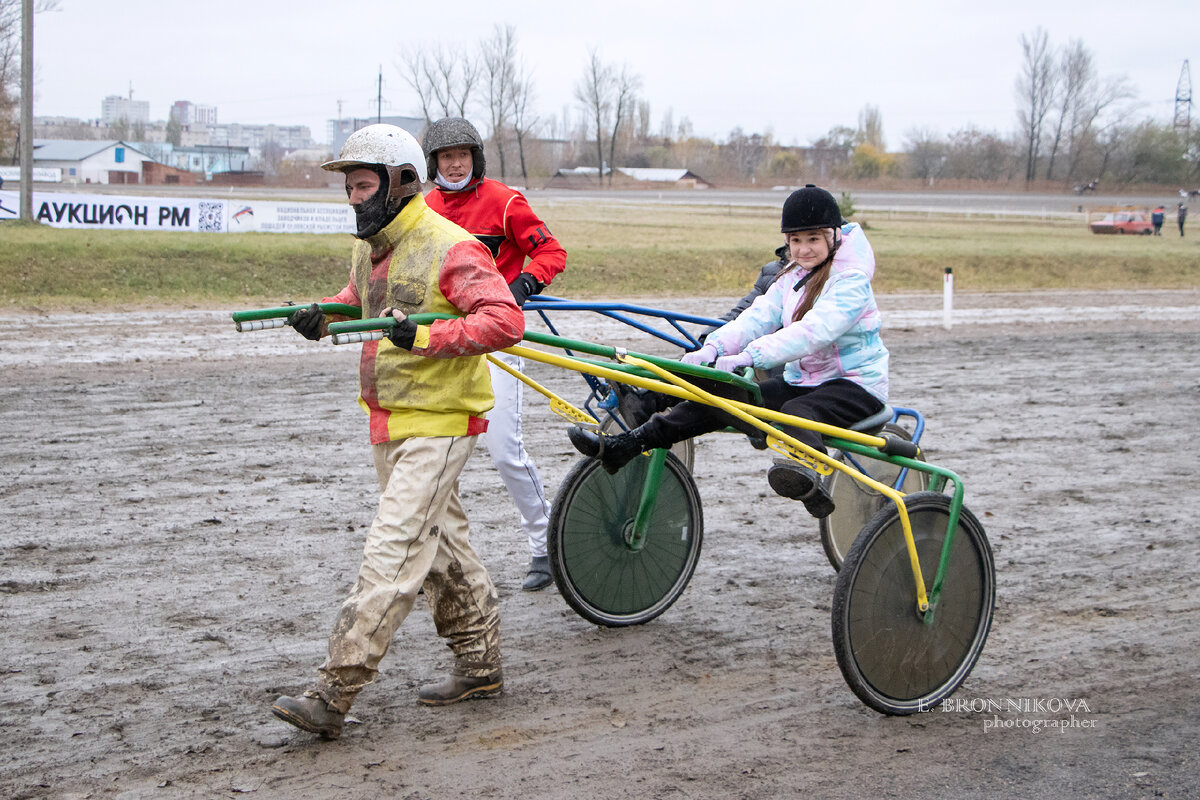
[703, 357]
[734, 363]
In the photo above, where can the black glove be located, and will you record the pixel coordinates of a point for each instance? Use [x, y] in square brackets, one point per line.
[525, 286]
[403, 333]
[308, 322]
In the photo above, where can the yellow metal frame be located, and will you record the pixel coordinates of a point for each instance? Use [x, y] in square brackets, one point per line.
[757, 416]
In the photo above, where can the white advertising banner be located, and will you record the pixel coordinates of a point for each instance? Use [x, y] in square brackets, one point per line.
[254, 215]
[118, 212]
[41, 174]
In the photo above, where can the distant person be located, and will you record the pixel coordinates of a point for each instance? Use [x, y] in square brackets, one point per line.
[1157, 217]
[501, 218]
[426, 391]
[1181, 216]
[819, 320]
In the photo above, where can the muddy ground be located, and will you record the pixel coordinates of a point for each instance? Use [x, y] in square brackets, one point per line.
[184, 508]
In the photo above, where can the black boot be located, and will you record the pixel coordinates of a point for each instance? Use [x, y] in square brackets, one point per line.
[799, 482]
[614, 452]
[539, 576]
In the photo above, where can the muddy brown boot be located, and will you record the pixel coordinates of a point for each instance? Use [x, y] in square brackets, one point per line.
[802, 483]
[613, 452]
[457, 688]
[311, 714]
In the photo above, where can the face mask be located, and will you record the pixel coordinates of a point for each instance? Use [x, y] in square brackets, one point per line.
[371, 215]
[440, 180]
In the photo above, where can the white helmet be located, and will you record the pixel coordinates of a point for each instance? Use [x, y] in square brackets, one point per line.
[387, 146]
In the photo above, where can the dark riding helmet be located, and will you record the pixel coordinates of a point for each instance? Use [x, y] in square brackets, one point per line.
[452, 132]
[809, 208]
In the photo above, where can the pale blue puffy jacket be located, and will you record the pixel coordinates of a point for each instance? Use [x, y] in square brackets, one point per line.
[837, 338]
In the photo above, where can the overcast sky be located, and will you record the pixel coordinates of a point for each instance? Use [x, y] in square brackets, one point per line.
[791, 68]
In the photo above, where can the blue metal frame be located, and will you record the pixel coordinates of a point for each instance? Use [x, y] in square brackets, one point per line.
[622, 312]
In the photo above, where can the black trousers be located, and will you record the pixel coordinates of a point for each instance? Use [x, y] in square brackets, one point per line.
[838, 402]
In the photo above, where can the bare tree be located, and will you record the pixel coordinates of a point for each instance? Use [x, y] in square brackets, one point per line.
[443, 78]
[594, 92]
[500, 74]
[609, 98]
[926, 154]
[524, 119]
[1035, 91]
[870, 127]
[10, 61]
[625, 97]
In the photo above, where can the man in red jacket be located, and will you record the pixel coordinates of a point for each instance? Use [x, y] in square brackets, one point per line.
[501, 218]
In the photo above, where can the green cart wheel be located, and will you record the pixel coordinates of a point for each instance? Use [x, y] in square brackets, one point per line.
[895, 661]
[856, 503]
[601, 570]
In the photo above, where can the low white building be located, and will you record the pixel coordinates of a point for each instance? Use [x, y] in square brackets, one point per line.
[84, 161]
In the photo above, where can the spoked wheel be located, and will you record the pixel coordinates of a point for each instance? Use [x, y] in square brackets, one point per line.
[892, 659]
[601, 570]
[685, 451]
[856, 503]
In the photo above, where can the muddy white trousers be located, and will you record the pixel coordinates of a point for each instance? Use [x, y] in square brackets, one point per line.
[419, 537]
[516, 468]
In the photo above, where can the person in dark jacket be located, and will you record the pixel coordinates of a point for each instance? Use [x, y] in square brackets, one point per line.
[636, 405]
[1181, 216]
[1156, 217]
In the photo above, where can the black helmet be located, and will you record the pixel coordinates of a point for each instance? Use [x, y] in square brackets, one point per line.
[810, 208]
[452, 132]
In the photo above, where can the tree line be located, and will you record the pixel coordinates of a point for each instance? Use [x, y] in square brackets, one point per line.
[1073, 126]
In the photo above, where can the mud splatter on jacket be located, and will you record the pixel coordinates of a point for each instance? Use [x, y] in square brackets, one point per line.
[837, 338]
[501, 218]
[421, 262]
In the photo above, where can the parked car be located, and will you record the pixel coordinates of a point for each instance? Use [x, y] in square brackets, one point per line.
[1123, 222]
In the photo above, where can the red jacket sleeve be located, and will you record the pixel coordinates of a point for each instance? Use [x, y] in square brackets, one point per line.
[491, 320]
[547, 258]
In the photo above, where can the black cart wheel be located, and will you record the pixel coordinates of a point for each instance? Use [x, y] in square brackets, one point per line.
[895, 661]
[856, 503]
[600, 569]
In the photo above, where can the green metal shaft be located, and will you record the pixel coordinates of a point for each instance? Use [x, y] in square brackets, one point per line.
[339, 309]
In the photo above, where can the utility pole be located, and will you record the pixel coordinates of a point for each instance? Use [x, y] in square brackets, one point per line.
[379, 97]
[27, 110]
[1183, 100]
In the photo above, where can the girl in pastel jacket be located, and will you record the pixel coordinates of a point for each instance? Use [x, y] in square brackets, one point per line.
[819, 320]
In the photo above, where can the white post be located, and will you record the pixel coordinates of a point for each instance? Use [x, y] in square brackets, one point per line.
[947, 297]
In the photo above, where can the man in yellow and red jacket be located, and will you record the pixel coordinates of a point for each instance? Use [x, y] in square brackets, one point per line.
[426, 391]
[529, 257]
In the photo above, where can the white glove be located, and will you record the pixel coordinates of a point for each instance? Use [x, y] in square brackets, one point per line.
[734, 363]
[703, 357]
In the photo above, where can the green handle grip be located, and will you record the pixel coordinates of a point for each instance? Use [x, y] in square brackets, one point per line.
[244, 320]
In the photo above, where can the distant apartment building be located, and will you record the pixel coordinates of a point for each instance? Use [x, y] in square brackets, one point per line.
[115, 108]
[189, 114]
[338, 130]
[288, 137]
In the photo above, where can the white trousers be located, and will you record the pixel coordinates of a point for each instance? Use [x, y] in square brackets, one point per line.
[517, 470]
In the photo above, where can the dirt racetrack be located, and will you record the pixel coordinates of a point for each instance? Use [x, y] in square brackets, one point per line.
[185, 508]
